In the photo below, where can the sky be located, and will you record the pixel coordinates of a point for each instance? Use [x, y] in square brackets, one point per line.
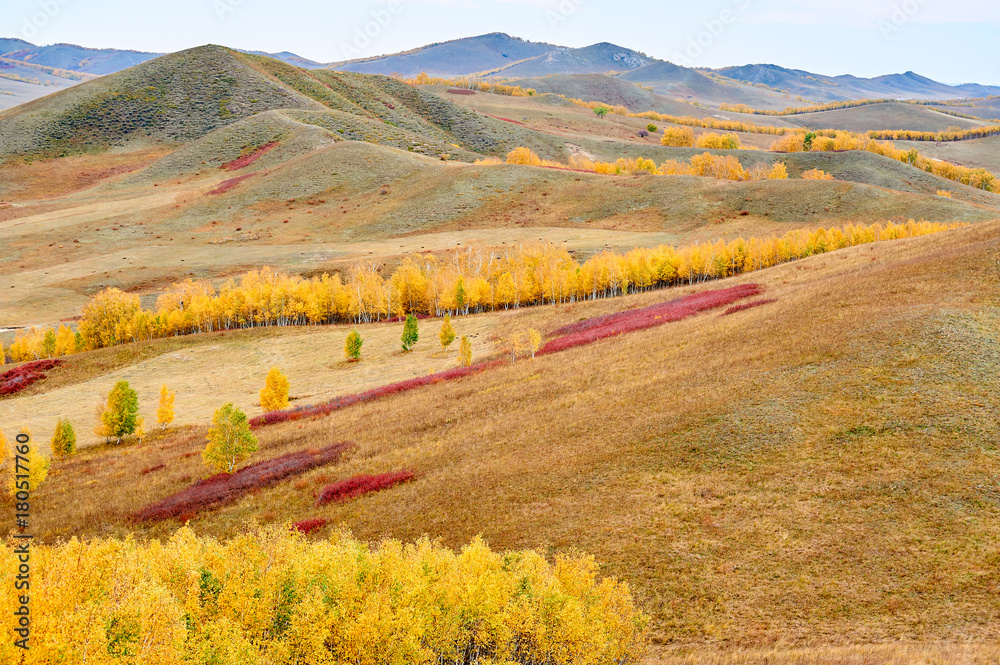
[950, 41]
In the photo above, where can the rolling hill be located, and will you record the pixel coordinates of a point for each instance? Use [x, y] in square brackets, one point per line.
[687, 84]
[458, 57]
[836, 88]
[890, 115]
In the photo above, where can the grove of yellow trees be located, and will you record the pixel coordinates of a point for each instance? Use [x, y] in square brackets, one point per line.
[721, 167]
[474, 279]
[826, 140]
[270, 596]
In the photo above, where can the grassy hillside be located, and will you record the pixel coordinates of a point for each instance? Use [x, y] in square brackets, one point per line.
[170, 100]
[598, 58]
[452, 58]
[977, 153]
[837, 486]
[688, 84]
[314, 203]
[891, 115]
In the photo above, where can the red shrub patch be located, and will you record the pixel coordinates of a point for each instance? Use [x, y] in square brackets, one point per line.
[224, 487]
[460, 91]
[609, 325]
[308, 526]
[18, 378]
[248, 159]
[226, 185]
[349, 400]
[748, 305]
[345, 490]
[153, 468]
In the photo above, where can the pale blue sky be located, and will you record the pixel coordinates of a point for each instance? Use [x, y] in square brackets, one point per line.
[952, 41]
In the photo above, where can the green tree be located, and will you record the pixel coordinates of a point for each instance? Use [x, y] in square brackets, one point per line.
[460, 298]
[121, 413]
[410, 335]
[49, 343]
[465, 352]
[64, 439]
[651, 128]
[352, 348]
[808, 141]
[447, 335]
[230, 441]
[601, 111]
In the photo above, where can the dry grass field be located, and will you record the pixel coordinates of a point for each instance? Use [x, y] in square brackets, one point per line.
[839, 487]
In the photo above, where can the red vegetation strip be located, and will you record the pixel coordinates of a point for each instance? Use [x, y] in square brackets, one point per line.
[349, 400]
[247, 160]
[345, 490]
[576, 334]
[516, 122]
[460, 91]
[18, 378]
[308, 526]
[226, 185]
[748, 305]
[610, 325]
[153, 468]
[224, 487]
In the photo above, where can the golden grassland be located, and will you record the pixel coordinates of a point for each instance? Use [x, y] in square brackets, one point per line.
[777, 485]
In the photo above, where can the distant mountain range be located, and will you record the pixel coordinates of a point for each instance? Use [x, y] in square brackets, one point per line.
[28, 71]
[832, 88]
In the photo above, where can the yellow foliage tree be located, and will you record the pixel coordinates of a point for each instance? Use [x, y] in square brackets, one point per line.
[678, 137]
[447, 334]
[65, 341]
[64, 439]
[108, 318]
[274, 395]
[165, 410]
[718, 141]
[534, 340]
[524, 156]
[816, 174]
[465, 352]
[778, 172]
